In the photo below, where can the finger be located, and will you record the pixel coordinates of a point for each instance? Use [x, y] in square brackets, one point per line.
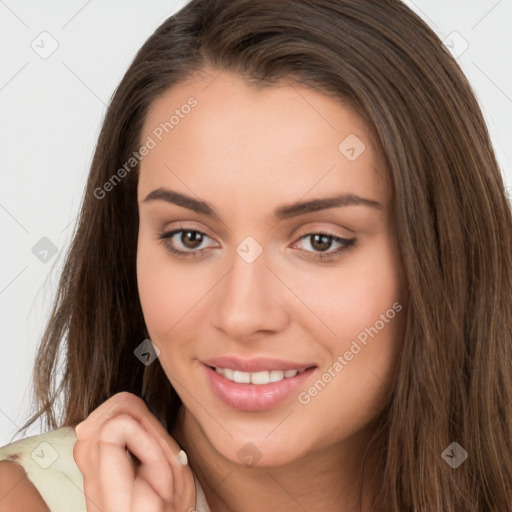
[116, 468]
[145, 499]
[93, 502]
[179, 502]
[183, 480]
[128, 403]
[86, 457]
[117, 404]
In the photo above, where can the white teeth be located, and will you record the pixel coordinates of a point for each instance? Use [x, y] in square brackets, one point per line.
[276, 375]
[260, 378]
[242, 377]
[263, 377]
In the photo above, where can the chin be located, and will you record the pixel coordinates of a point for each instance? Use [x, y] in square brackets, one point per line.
[259, 452]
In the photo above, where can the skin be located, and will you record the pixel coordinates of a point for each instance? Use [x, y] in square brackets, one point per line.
[17, 492]
[247, 151]
[152, 481]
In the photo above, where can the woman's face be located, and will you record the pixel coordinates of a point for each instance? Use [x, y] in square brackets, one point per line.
[279, 205]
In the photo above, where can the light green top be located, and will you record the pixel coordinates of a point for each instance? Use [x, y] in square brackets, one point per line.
[49, 464]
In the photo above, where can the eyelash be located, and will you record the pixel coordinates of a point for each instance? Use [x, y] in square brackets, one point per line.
[347, 244]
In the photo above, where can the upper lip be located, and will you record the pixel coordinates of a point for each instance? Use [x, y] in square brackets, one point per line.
[257, 364]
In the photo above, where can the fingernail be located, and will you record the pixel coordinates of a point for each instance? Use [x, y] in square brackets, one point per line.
[182, 458]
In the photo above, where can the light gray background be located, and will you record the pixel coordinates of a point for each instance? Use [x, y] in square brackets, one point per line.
[52, 109]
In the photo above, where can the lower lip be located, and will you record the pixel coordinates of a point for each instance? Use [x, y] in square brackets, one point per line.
[254, 397]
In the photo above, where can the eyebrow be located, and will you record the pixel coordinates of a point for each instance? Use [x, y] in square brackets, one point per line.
[281, 213]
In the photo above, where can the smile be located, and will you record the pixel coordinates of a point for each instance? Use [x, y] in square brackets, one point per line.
[258, 378]
[255, 391]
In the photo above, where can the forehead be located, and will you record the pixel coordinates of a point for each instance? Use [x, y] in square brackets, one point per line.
[284, 141]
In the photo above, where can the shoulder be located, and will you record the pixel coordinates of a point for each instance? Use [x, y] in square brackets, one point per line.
[17, 492]
[45, 467]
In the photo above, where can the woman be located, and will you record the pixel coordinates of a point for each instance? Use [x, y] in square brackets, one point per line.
[316, 309]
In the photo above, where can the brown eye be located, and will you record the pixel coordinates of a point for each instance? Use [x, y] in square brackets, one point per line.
[324, 246]
[186, 243]
[321, 242]
[191, 239]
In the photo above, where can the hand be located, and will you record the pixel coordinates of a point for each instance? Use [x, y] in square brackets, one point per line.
[153, 481]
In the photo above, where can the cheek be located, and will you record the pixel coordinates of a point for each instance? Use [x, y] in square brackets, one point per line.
[363, 308]
[171, 302]
[157, 286]
[154, 292]
[350, 297]
[359, 321]
[356, 384]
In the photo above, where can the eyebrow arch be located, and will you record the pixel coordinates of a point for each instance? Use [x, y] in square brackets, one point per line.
[281, 213]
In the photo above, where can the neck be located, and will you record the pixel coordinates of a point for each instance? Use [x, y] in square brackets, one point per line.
[324, 480]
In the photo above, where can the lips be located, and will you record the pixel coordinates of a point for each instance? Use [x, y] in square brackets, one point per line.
[258, 364]
[250, 397]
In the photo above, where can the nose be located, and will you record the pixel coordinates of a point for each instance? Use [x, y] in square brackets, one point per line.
[249, 301]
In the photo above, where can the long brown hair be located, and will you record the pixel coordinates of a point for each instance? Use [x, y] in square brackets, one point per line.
[452, 217]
